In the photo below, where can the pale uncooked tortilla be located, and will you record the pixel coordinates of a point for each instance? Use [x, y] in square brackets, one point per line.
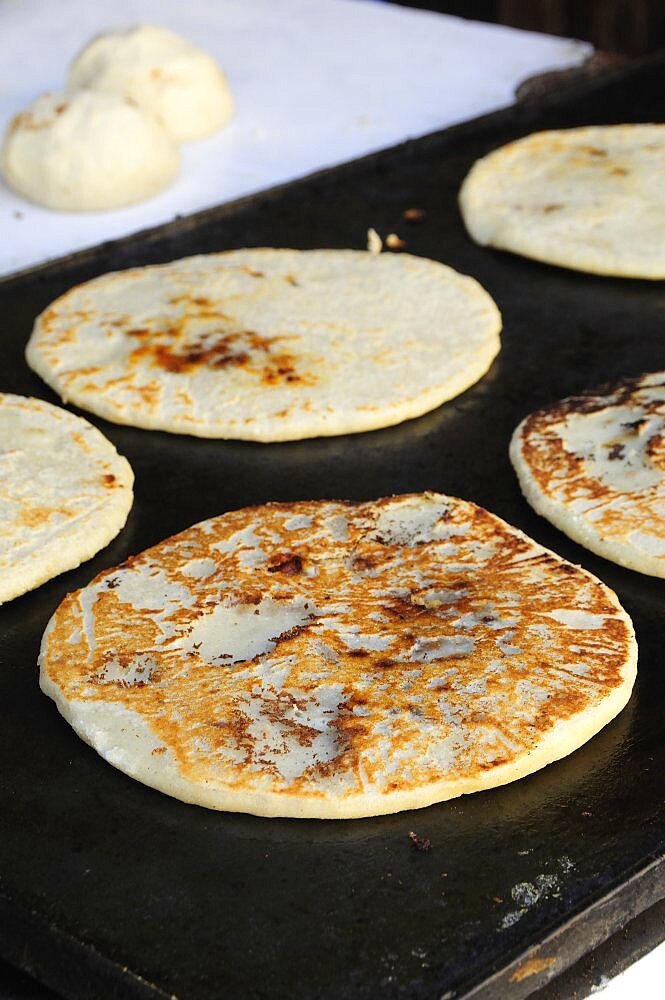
[329, 659]
[594, 465]
[64, 492]
[591, 198]
[268, 345]
[87, 151]
[174, 80]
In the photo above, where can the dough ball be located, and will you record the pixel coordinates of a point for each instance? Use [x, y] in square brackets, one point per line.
[176, 81]
[87, 151]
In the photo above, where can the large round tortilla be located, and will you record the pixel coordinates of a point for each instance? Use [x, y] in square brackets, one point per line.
[268, 345]
[329, 659]
[591, 198]
[64, 492]
[594, 465]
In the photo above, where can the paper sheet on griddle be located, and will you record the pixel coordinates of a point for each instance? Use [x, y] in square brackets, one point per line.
[316, 82]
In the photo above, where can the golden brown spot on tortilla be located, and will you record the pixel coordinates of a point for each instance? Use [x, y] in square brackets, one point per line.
[552, 208]
[285, 562]
[82, 442]
[48, 319]
[593, 150]
[200, 354]
[282, 369]
[656, 450]
[619, 172]
[364, 562]
[109, 478]
[171, 350]
[34, 517]
[150, 393]
[531, 968]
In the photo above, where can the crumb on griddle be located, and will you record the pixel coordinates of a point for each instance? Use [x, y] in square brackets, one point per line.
[395, 242]
[420, 843]
[414, 214]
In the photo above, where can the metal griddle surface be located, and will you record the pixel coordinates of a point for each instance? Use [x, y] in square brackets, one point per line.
[108, 888]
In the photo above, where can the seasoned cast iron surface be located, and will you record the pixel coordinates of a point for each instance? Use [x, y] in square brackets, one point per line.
[114, 887]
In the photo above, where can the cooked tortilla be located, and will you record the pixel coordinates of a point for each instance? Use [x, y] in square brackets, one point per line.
[594, 465]
[268, 345]
[64, 492]
[329, 659]
[591, 199]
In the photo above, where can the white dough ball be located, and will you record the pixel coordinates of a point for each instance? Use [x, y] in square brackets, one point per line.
[87, 151]
[176, 81]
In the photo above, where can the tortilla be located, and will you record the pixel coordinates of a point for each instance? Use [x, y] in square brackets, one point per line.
[87, 152]
[329, 659]
[64, 492]
[175, 81]
[591, 199]
[594, 465]
[268, 345]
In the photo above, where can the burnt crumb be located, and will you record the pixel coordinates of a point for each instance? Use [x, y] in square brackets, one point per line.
[109, 479]
[285, 562]
[248, 597]
[292, 281]
[112, 583]
[414, 214]
[361, 563]
[634, 425]
[616, 451]
[421, 844]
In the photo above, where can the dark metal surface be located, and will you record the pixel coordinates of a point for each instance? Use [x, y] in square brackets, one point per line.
[108, 888]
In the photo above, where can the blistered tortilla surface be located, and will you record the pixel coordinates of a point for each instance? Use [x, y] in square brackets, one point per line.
[330, 659]
[594, 465]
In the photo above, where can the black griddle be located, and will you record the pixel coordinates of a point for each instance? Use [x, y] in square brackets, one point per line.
[108, 888]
